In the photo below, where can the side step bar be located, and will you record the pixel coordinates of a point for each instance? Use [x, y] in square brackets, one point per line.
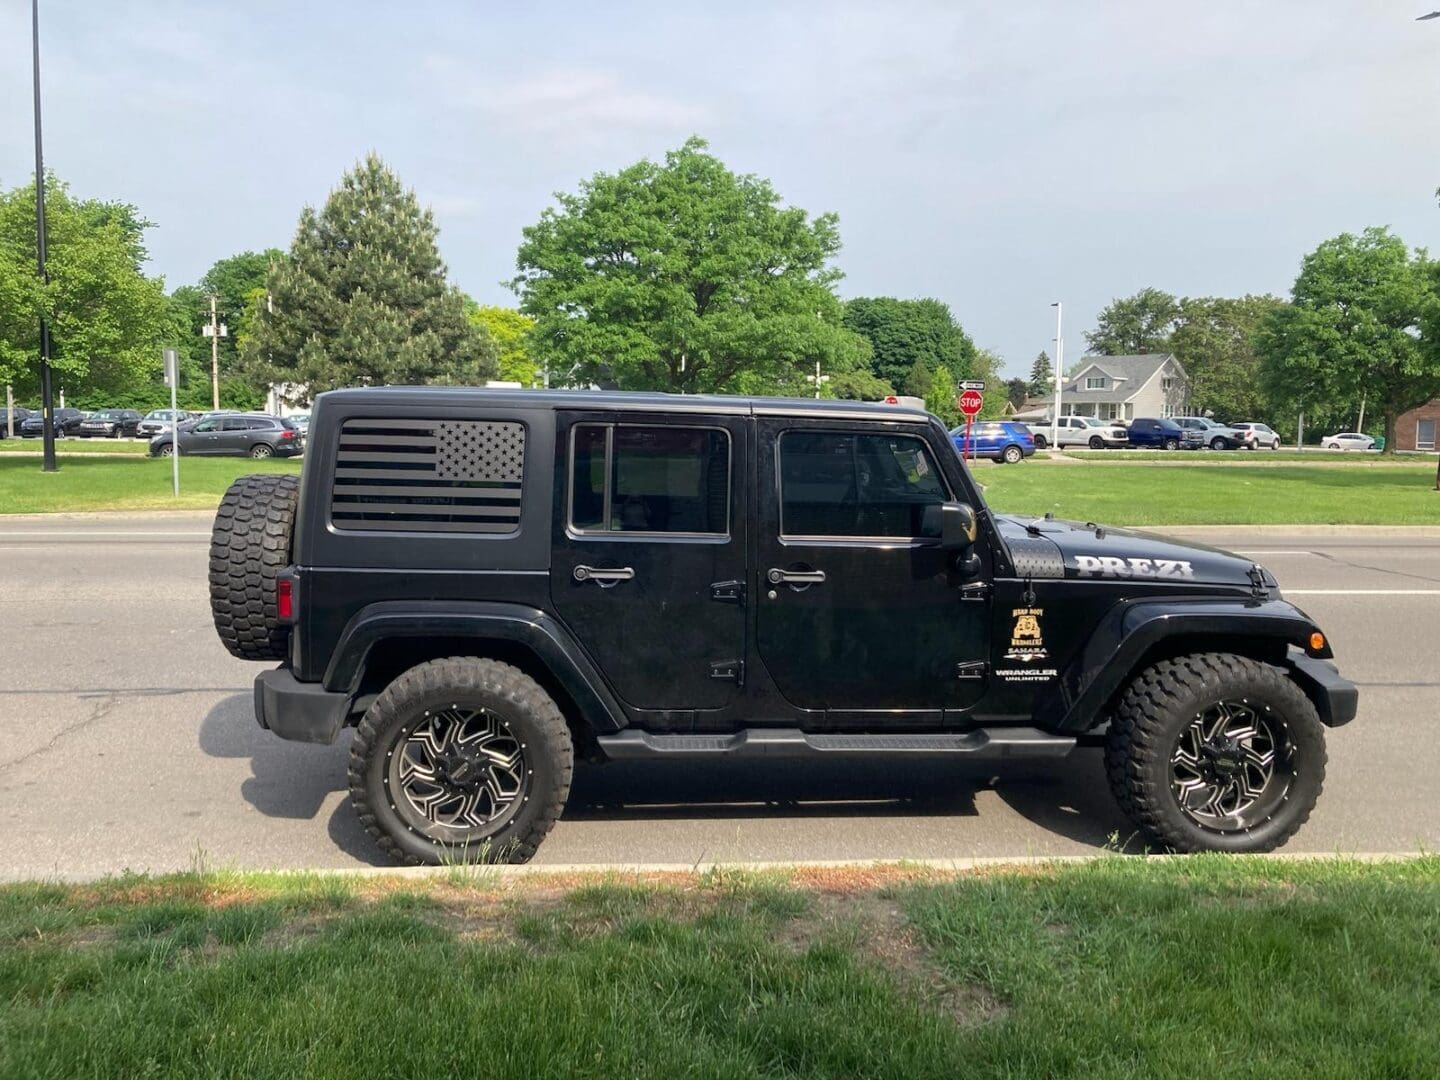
[982, 745]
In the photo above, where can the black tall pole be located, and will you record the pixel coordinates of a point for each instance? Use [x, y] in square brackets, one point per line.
[47, 397]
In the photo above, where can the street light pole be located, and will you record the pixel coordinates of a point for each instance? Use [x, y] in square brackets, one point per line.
[47, 394]
[1059, 373]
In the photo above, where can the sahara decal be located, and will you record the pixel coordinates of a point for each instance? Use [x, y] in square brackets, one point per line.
[1111, 566]
[1027, 642]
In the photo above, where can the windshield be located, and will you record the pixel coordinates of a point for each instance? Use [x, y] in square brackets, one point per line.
[108, 414]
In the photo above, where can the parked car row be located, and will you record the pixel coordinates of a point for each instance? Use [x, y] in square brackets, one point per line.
[256, 435]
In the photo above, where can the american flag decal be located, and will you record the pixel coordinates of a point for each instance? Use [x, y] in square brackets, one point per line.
[429, 475]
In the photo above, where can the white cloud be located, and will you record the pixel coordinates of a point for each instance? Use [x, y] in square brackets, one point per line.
[578, 104]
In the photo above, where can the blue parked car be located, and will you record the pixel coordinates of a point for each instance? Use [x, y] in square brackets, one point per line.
[1002, 440]
[1155, 434]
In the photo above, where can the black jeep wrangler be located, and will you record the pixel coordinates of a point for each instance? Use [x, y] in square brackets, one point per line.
[485, 583]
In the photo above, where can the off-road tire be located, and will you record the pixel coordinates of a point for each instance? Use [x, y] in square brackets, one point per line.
[1157, 707]
[530, 713]
[249, 546]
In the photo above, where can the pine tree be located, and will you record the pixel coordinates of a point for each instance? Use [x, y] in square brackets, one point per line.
[917, 382]
[362, 297]
[1042, 375]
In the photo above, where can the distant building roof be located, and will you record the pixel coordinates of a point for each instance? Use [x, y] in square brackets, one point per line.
[1127, 373]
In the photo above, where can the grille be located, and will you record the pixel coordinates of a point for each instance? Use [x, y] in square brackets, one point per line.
[429, 476]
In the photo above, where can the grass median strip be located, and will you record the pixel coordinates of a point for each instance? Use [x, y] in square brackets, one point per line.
[1219, 495]
[66, 447]
[1201, 966]
[122, 483]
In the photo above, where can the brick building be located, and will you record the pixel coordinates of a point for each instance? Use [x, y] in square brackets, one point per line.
[1418, 428]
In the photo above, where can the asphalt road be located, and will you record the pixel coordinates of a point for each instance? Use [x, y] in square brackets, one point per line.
[129, 741]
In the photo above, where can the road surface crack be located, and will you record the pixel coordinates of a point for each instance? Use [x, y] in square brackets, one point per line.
[1377, 569]
[102, 708]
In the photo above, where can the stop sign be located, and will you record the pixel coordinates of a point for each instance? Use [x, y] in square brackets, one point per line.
[971, 402]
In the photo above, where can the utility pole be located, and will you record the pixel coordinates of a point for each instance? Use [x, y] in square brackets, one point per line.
[1360, 424]
[215, 331]
[47, 396]
[1059, 373]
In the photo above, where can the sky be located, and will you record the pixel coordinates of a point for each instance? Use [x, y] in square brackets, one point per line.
[998, 157]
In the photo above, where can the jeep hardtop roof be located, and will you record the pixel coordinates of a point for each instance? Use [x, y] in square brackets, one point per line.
[479, 397]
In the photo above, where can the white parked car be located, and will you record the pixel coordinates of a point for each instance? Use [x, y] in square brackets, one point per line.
[1347, 440]
[1258, 435]
[1081, 431]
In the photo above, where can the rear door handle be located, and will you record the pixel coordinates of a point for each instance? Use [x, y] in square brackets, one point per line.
[777, 576]
[604, 576]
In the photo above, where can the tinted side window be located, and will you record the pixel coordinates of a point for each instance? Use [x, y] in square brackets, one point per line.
[843, 485]
[234, 423]
[650, 479]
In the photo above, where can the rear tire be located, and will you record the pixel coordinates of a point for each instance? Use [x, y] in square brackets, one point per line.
[261, 450]
[1012, 455]
[517, 775]
[1154, 738]
[249, 546]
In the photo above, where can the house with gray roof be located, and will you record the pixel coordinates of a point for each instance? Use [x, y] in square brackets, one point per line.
[1119, 388]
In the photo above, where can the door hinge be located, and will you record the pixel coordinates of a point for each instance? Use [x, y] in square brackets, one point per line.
[729, 592]
[733, 670]
[971, 669]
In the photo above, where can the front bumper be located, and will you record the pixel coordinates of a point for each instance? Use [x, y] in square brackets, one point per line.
[1335, 698]
[299, 711]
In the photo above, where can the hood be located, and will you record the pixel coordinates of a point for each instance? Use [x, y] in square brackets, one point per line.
[1098, 552]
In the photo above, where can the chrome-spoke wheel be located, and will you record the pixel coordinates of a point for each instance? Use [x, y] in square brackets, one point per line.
[1232, 766]
[457, 773]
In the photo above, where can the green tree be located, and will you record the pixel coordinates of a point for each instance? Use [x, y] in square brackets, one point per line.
[901, 332]
[108, 321]
[1359, 325]
[1016, 391]
[1042, 376]
[940, 398]
[1134, 324]
[510, 330]
[858, 385]
[683, 276]
[362, 297]
[1214, 338]
[918, 380]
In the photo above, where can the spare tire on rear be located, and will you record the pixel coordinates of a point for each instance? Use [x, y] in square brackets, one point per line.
[249, 546]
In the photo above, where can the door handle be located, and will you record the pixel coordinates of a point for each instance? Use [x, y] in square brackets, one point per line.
[776, 576]
[602, 576]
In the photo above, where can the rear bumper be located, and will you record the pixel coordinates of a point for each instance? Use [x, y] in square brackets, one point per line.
[1336, 699]
[299, 711]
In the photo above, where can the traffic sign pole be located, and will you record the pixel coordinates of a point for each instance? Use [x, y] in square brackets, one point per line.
[970, 401]
[172, 376]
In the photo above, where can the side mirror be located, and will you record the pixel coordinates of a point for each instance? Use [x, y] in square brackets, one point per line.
[957, 525]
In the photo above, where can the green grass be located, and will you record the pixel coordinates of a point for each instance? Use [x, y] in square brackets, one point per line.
[1219, 495]
[1198, 967]
[77, 446]
[122, 483]
[1247, 457]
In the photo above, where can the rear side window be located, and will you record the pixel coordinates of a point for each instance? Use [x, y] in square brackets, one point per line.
[455, 476]
[839, 484]
[658, 480]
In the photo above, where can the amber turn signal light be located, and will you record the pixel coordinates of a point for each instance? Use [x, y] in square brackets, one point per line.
[1317, 641]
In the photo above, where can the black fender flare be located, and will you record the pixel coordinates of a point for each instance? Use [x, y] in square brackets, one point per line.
[1131, 628]
[550, 641]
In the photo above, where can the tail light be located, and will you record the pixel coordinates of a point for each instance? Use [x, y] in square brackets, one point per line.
[285, 598]
[286, 434]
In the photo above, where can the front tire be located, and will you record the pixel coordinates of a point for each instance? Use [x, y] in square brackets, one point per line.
[1097, 443]
[1041, 442]
[461, 760]
[1172, 444]
[1217, 444]
[1215, 752]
